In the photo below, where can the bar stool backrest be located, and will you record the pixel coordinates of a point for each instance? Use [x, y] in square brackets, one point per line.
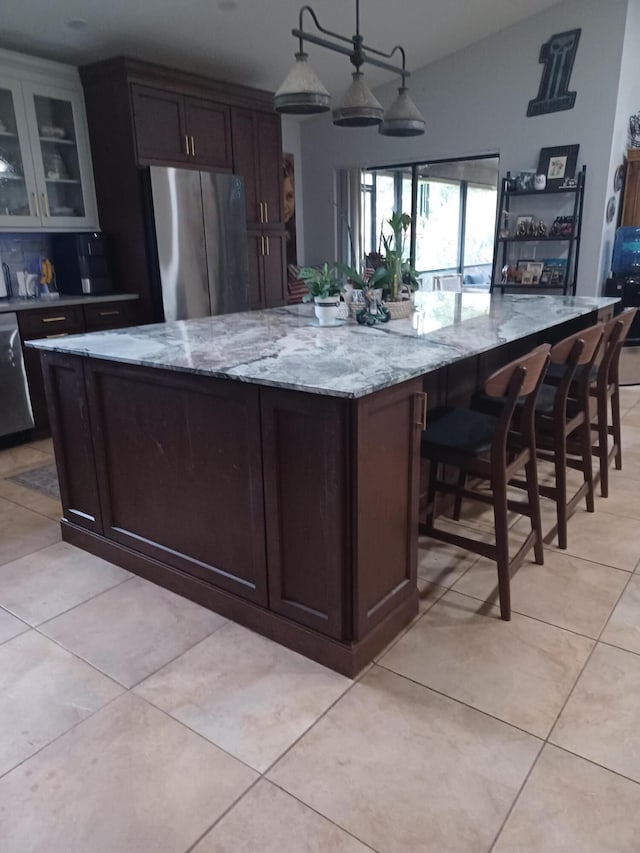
[615, 334]
[517, 382]
[576, 351]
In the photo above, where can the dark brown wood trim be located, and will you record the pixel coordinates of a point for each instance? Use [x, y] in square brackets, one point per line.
[345, 658]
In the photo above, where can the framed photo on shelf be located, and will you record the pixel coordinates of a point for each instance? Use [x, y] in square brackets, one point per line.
[555, 270]
[531, 271]
[558, 164]
[523, 225]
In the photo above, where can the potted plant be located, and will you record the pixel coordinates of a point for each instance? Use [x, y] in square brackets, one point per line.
[324, 287]
[396, 276]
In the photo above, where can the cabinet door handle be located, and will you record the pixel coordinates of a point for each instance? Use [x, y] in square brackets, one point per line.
[108, 313]
[193, 147]
[34, 199]
[268, 252]
[45, 204]
[266, 212]
[54, 319]
[422, 402]
[59, 335]
[186, 145]
[262, 244]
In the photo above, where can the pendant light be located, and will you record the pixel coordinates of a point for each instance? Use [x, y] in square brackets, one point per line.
[302, 93]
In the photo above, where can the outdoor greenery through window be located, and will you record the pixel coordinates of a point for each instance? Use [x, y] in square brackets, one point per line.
[453, 210]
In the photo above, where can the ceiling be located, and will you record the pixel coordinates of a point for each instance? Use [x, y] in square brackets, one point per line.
[249, 41]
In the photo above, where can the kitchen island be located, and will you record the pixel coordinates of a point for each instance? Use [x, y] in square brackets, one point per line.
[268, 468]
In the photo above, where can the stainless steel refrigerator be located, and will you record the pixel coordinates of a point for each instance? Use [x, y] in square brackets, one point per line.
[200, 242]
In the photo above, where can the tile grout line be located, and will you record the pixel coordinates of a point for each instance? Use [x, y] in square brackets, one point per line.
[30, 509]
[547, 742]
[263, 775]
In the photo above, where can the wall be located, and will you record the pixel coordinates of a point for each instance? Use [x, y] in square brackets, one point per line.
[291, 143]
[628, 102]
[475, 102]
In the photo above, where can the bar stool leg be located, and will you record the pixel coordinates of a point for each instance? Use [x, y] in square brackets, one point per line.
[603, 445]
[531, 472]
[560, 461]
[617, 431]
[587, 465]
[502, 545]
[457, 507]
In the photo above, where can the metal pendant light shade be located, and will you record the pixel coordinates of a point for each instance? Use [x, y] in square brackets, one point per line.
[402, 118]
[302, 93]
[359, 107]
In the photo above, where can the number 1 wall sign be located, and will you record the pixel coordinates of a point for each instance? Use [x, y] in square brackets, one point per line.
[557, 55]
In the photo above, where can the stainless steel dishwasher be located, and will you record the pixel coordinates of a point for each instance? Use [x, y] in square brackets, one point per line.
[15, 404]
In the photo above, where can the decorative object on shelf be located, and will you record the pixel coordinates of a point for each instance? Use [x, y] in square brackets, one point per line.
[557, 55]
[50, 131]
[523, 224]
[504, 231]
[324, 289]
[302, 92]
[531, 271]
[55, 168]
[525, 180]
[558, 164]
[611, 209]
[540, 182]
[562, 226]
[618, 178]
[554, 271]
[541, 229]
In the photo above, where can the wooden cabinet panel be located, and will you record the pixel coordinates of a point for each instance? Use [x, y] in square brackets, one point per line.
[209, 127]
[255, 241]
[72, 439]
[245, 160]
[180, 472]
[270, 167]
[109, 315]
[159, 121]
[275, 269]
[42, 322]
[305, 450]
[388, 474]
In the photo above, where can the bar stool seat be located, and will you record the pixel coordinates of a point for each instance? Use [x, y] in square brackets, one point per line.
[493, 449]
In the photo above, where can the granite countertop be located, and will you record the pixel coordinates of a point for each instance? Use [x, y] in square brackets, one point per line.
[282, 347]
[21, 303]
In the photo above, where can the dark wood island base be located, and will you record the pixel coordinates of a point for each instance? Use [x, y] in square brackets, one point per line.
[294, 514]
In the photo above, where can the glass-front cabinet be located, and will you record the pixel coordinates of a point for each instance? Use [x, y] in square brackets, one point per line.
[45, 166]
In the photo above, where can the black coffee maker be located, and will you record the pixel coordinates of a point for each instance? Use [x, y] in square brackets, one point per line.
[81, 262]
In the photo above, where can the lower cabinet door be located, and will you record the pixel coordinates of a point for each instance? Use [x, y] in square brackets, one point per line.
[72, 440]
[305, 452]
[180, 472]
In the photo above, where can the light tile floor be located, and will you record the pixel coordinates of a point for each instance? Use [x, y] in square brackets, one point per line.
[133, 720]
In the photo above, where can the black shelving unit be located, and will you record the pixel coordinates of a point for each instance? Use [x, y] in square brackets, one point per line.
[508, 250]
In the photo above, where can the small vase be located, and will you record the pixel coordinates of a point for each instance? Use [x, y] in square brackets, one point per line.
[326, 308]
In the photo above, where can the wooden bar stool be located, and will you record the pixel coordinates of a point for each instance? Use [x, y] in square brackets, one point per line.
[563, 416]
[606, 391]
[493, 449]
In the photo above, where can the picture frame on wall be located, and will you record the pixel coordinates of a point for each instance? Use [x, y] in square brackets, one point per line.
[558, 164]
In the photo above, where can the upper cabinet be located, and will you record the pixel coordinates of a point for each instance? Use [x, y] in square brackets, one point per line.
[172, 128]
[257, 156]
[46, 179]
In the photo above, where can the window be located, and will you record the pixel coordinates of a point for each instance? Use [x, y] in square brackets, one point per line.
[453, 210]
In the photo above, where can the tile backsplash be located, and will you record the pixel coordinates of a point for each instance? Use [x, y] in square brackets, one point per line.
[23, 252]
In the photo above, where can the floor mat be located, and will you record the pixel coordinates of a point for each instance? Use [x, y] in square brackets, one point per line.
[43, 479]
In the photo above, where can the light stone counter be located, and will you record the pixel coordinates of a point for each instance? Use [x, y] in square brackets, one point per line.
[284, 348]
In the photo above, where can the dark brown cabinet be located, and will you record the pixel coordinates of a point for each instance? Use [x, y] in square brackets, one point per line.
[163, 116]
[175, 130]
[59, 322]
[267, 269]
[159, 123]
[257, 146]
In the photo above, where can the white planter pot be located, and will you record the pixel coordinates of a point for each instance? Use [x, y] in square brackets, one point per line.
[326, 308]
